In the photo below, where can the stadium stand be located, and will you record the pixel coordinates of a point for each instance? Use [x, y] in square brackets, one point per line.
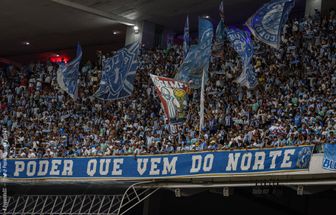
[293, 104]
[235, 116]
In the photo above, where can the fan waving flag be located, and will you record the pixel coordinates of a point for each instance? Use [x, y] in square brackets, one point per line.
[118, 74]
[267, 23]
[242, 44]
[198, 57]
[68, 75]
[173, 96]
[186, 37]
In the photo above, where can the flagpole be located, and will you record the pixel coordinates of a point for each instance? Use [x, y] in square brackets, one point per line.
[202, 103]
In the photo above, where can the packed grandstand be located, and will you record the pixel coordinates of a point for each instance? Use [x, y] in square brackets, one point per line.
[294, 102]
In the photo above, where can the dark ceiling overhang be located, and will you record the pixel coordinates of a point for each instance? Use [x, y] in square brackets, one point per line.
[59, 24]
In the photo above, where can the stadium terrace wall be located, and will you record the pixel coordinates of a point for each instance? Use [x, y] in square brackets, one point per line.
[214, 163]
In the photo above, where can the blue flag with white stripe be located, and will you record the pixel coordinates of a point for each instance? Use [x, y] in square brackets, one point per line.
[329, 160]
[267, 23]
[198, 57]
[118, 74]
[68, 75]
[186, 37]
[241, 42]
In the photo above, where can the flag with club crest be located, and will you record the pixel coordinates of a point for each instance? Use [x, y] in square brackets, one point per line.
[173, 97]
[267, 23]
[241, 42]
[118, 73]
[68, 74]
[186, 37]
[198, 57]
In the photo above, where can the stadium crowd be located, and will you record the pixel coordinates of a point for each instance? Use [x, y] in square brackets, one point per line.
[293, 104]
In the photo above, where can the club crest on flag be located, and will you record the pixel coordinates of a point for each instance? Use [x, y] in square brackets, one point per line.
[118, 74]
[267, 23]
[241, 43]
[173, 95]
[304, 157]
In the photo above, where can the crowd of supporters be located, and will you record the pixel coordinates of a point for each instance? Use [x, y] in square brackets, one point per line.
[293, 104]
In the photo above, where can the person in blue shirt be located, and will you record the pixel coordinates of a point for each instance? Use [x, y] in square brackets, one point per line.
[298, 120]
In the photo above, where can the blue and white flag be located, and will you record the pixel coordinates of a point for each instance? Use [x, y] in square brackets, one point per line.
[329, 160]
[198, 57]
[248, 77]
[267, 23]
[242, 44]
[186, 37]
[118, 73]
[68, 75]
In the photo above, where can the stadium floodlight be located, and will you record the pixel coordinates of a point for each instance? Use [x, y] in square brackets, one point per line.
[226, 192]
[177, 192]
[136, 29]
[299, 190]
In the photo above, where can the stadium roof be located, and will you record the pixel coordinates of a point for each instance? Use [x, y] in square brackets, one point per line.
[59, 24]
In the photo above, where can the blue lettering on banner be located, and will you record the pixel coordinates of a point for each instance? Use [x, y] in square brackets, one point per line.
[329, 160]
[172, 165]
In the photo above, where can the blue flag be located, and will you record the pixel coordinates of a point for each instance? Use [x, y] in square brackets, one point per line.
[118, 74]
[248, 77]
[218, 47]
[186, 37]
[329, 160]
[267, 23]
[198, 57]
[68, 75]
[241, 42]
